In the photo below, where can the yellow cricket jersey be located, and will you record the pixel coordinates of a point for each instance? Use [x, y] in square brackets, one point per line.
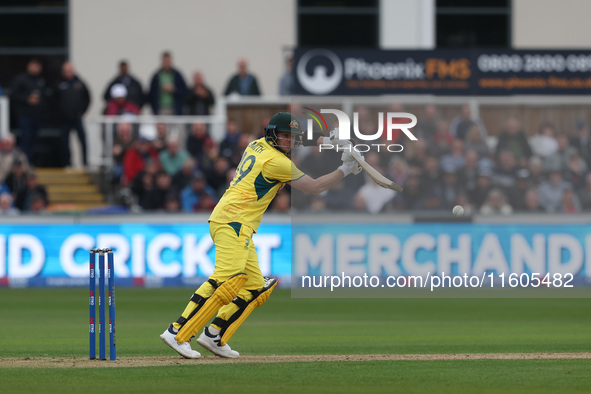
[262, 172]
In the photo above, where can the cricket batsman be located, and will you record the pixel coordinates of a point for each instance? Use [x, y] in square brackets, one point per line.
[237, 286]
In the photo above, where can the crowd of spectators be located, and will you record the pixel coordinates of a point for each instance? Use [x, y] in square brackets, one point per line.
[20, 190]
[162, 174]
[36, 103]
[454, 161]
[172, 175]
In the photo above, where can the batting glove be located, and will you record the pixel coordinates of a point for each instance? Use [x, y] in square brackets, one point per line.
[350, 166]
[333, 139]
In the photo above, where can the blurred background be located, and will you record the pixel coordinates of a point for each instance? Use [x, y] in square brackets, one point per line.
[122, 123]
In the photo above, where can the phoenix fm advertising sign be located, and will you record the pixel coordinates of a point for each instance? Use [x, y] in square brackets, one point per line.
[441, 72]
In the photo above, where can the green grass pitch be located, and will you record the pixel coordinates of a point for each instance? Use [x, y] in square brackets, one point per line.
[53, 323]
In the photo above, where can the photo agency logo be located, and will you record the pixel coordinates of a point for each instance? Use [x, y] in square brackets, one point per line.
[321, 72]
[371, 141]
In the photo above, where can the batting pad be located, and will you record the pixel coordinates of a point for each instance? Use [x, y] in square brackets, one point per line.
[223, 295]
[254, 303]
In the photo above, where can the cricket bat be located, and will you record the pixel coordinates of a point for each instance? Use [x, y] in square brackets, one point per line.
[376, 176]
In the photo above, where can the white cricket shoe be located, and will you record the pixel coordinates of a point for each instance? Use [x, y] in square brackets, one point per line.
[212, 343]
[184, 349]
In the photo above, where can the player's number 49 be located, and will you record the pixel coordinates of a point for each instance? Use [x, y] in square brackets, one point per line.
[244, 167]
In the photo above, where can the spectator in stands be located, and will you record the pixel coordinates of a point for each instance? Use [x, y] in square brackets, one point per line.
[182, 178]
[416, 154]
[9, 153]
[411, 194]
[119, 104]
[243, 83]
[173, 157]
[6, 208]
[505, 172]
[172, 203]
[582, 141]
[28, 95]
[148, 196]
[460, 124]
[286, 83]
[536, 171]
[431, 177]
[559, 159]
[585, 194]
[161, 140]
[427, 124]
[570, 202]
[442, 140]
[576, 171]
[450, 188]
[469, 173]
[317, 204]
[122, 142]
[517, 193]
[281, 203]
[513, 139]
[193, 194]
[72, 100]
[456, 159]
[135, 158]
[133, 88]
[474, 142]
[150, 168]
[168, 89]
[431, 200]
[16, 180]
[496, 204]
[338, 198]
[544, 143]
[229, 145]
[200, 98]
[26, 198]
[398, 170]
[483, 187]
[38, 204]
[551, 191]
[163, 188]
[216, 176]
[199, 144]
[531, 202]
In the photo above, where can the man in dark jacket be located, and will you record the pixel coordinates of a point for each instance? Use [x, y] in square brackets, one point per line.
[167, 89]
[514, 139]
[28, 98]
[135, 93]
[72, 100]
[200, 98]
[243, 83]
